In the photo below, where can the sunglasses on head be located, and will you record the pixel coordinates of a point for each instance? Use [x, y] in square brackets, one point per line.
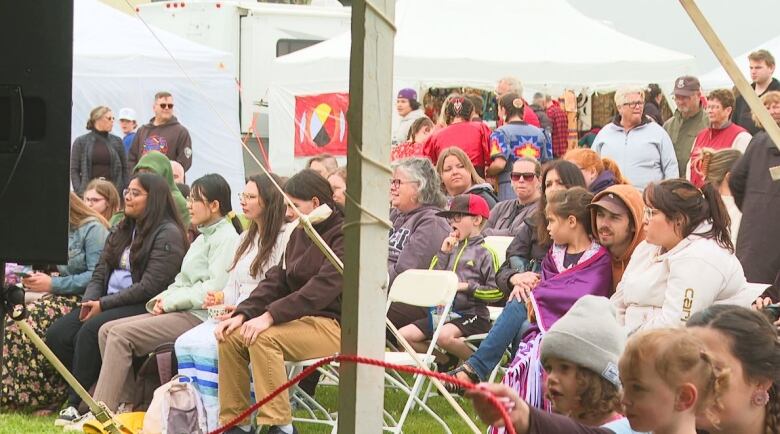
[166, 106]
[526, 176]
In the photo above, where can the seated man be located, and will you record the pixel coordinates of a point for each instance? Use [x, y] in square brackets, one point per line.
[292, 315]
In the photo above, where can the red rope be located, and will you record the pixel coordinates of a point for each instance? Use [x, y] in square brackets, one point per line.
[366, 361]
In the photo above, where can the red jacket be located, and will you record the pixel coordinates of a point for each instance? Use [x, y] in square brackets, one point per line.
[471, 137]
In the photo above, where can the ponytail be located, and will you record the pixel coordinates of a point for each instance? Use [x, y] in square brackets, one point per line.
[612, 166]
[717, 384]
[234, 220]
[513, 106]
[212, 187]
[721, 221]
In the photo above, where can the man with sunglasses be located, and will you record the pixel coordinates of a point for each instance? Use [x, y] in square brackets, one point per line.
[163, 133]
[507, 216]
[641, 147]
[688, 120]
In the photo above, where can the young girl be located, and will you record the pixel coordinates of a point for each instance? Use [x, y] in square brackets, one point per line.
[180, 307]
[260, 248]
[101, 196]
[419, 132]
[575, 266]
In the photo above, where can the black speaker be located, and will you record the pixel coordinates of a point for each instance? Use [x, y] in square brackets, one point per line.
[35, 110]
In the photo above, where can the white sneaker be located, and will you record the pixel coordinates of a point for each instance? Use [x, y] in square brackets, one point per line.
[78, 424]
[67, 416]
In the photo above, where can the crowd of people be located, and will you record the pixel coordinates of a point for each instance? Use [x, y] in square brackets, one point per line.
[638, 289]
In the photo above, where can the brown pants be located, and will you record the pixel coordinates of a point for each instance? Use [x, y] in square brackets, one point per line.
[134, 336]
[305, 338]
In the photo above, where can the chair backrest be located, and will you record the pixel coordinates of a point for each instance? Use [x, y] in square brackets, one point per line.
[424, 288]
[499, 244]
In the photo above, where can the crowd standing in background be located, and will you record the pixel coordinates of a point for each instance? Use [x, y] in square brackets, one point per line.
[638, 286]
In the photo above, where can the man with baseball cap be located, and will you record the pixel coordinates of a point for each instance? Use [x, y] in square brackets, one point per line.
[409, 109]
[616, 216]
[688, 120]
[128, 124]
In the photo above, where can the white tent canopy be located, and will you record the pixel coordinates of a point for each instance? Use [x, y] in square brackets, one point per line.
[717, 78]
[117, 62]
[546, 43]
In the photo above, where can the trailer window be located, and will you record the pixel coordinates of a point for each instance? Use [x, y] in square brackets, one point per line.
[287, 46]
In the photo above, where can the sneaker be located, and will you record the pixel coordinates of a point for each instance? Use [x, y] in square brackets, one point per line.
[78, 424]
[277, 430]
[239, 430]
[67, 416]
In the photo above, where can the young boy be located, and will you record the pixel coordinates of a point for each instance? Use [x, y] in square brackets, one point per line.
[464, 252]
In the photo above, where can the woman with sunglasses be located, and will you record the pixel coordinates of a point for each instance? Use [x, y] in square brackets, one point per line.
[508, 216]
[141, 257]
[686, 262]
[98, 154]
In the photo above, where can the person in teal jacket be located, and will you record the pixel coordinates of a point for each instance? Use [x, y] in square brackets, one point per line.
[29, 382]
[180, 307]
[158, 163]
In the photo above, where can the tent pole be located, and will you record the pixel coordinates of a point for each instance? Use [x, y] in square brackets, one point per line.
[747, 92]
[361, 388]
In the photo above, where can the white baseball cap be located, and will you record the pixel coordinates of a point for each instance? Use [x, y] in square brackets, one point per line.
[127, 114]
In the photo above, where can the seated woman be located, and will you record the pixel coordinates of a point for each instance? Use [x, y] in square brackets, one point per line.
[29, 381]
[338, 182]
[576, 265]
[180, 307]
[102, 197]
[417, 231]
[260, 248]
[686, 262]
[459, 177]
[142, 256]
[292, 315]
[599, 173]
[518, 274]
[507, 217]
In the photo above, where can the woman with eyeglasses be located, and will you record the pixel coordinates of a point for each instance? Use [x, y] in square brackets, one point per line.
[30, 382]
[102, 197]
[514, 138]
[459, 177]
[259, 248]
[599, 173]
[508, 216]
[141, 258]
[98, 154]
[686, 262]
[180, 307]
[417, 234]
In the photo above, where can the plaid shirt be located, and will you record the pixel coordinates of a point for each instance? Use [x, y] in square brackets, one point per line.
[560, 129]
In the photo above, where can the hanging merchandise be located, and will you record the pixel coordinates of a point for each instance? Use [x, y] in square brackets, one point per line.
[584, 110]
[570, 106]
[603, 108]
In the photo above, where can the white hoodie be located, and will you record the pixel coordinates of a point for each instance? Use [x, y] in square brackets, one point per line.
[664, 290]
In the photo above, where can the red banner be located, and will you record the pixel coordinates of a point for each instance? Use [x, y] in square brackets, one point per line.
[321, 124]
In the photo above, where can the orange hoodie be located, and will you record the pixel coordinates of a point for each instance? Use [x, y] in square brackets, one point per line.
[633, 199]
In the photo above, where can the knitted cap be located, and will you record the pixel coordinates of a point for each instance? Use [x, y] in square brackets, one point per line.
[588, 335]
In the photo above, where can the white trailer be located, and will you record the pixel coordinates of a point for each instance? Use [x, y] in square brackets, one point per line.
[255, 33]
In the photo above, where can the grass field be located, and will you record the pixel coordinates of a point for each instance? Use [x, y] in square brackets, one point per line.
[418, 421]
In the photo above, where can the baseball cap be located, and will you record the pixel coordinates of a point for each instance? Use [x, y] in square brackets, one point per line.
[407, 93]
[612, 203]
[686, 85]
[127, 114]
[470, 204]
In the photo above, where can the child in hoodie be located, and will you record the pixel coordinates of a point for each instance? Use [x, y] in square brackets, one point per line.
[465, 253]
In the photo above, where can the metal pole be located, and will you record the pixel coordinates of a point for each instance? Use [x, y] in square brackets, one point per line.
[361, 388]
[747, 92]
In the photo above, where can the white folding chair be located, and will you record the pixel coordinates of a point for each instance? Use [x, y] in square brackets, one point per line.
[499, 244]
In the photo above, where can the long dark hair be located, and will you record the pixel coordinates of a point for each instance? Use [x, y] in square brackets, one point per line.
[754, 343]
[571, 176]
[678, 199]
[308, 184]
[457, 106]
[213, 187]
[271, 218]
[159, 208]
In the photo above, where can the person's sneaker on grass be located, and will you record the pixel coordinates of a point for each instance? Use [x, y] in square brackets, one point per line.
[67, 416]
[283, 429]
[78, 424]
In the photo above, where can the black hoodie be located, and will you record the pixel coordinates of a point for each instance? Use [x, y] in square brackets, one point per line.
[170, 138]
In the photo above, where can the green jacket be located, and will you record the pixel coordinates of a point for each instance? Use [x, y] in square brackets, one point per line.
[683, 132]
[205, 268]
[158, 163]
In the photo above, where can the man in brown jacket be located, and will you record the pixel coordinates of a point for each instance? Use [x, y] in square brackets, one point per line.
[163, 133]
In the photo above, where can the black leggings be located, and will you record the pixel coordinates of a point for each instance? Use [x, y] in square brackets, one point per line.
[75, 343]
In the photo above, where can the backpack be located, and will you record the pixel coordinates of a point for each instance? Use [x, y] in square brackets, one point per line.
[176, 409]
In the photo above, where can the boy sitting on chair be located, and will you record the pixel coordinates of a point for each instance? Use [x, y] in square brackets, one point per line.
[464, 252]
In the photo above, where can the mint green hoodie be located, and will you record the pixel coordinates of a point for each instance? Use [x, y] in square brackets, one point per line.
[205, 268]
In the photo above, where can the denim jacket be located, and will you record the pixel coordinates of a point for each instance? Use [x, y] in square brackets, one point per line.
[85, 244]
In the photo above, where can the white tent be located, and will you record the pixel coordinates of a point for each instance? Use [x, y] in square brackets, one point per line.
[717, 78]
[117, 62]
[546, 43]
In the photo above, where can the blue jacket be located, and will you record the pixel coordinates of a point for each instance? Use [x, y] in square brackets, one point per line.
[85, 245]
[645, 153]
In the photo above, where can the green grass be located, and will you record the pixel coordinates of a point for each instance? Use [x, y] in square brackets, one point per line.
[418, 421]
